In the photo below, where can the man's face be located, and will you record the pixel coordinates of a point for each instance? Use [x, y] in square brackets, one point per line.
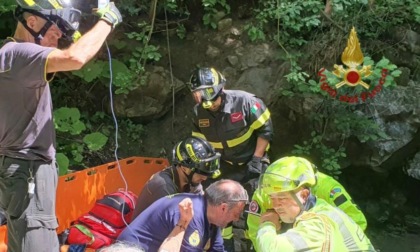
[215, 104]
[286, 206]
[197, 96]
[51, 37]
[228, 215]
[198, 178]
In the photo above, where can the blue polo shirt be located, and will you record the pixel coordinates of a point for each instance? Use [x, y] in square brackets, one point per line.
[154, 224]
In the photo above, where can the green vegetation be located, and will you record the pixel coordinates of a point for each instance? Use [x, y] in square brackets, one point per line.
[294, 25]
[210, 17]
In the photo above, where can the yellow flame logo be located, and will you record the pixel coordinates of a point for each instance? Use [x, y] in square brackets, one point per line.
[352, 57]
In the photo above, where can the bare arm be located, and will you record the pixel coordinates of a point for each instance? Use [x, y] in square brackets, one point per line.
[262, 144]
[79, 53]
[174, 240]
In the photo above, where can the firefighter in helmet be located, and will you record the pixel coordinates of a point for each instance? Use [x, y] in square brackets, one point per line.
[28, 61]
[194, 160]
[237, 124]
[326, 188]
[317, 226]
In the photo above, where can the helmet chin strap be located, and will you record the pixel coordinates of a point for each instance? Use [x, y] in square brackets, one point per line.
[38, 36]
[190, 176]
[309, 203]
[293, 194]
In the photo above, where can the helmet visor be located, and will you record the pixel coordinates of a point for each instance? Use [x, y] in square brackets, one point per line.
[273, 184]
[208, 93]
[208, 166]
[67, 20]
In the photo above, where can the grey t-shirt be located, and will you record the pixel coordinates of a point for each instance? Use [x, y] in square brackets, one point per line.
[26, 122]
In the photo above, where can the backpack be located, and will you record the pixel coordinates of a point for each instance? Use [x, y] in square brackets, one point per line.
[105, 221]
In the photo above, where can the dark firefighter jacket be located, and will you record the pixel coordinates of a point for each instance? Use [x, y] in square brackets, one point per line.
[234, 129]
[161, 184]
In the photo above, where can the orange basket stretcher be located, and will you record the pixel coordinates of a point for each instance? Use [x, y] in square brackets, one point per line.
[77, 192]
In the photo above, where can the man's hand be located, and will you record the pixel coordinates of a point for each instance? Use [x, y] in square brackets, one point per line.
[186, 212]
[110, 14]
[254, 168]
[271, 216]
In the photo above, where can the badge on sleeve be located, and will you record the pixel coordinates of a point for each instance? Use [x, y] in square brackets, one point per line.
[254, 207]
[194, 239]
[255, 107]
[236, 117]
[334, 191]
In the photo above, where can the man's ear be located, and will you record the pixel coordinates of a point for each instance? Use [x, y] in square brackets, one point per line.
[31, 21]
[224, 207]
[186, 170]
[305, 194]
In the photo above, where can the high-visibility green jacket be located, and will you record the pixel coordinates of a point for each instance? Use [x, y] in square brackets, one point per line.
[327, 188]
[333, 192]
[234, 129]
[321, 228]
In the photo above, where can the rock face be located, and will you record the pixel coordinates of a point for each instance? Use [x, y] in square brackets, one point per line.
[150, 101]
[256, 68]
[397, 112]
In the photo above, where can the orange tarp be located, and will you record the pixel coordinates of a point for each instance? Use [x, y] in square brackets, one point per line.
[77, 192]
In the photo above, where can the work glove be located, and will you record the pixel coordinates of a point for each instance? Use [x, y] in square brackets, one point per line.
[110, 14]
[254, 168]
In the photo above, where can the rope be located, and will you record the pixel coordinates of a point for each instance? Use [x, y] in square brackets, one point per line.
[172, 76]
[111, 101]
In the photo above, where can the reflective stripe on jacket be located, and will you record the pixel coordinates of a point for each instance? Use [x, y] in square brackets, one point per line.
[233, 131]
[327, 188]
[322, 228]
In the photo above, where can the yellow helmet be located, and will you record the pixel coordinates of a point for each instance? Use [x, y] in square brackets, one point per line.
[287, 174]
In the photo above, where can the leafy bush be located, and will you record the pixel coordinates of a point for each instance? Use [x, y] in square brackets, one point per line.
[210, 17]
[344, 118]
[292, 19]
[71, 148]
[328, 157]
